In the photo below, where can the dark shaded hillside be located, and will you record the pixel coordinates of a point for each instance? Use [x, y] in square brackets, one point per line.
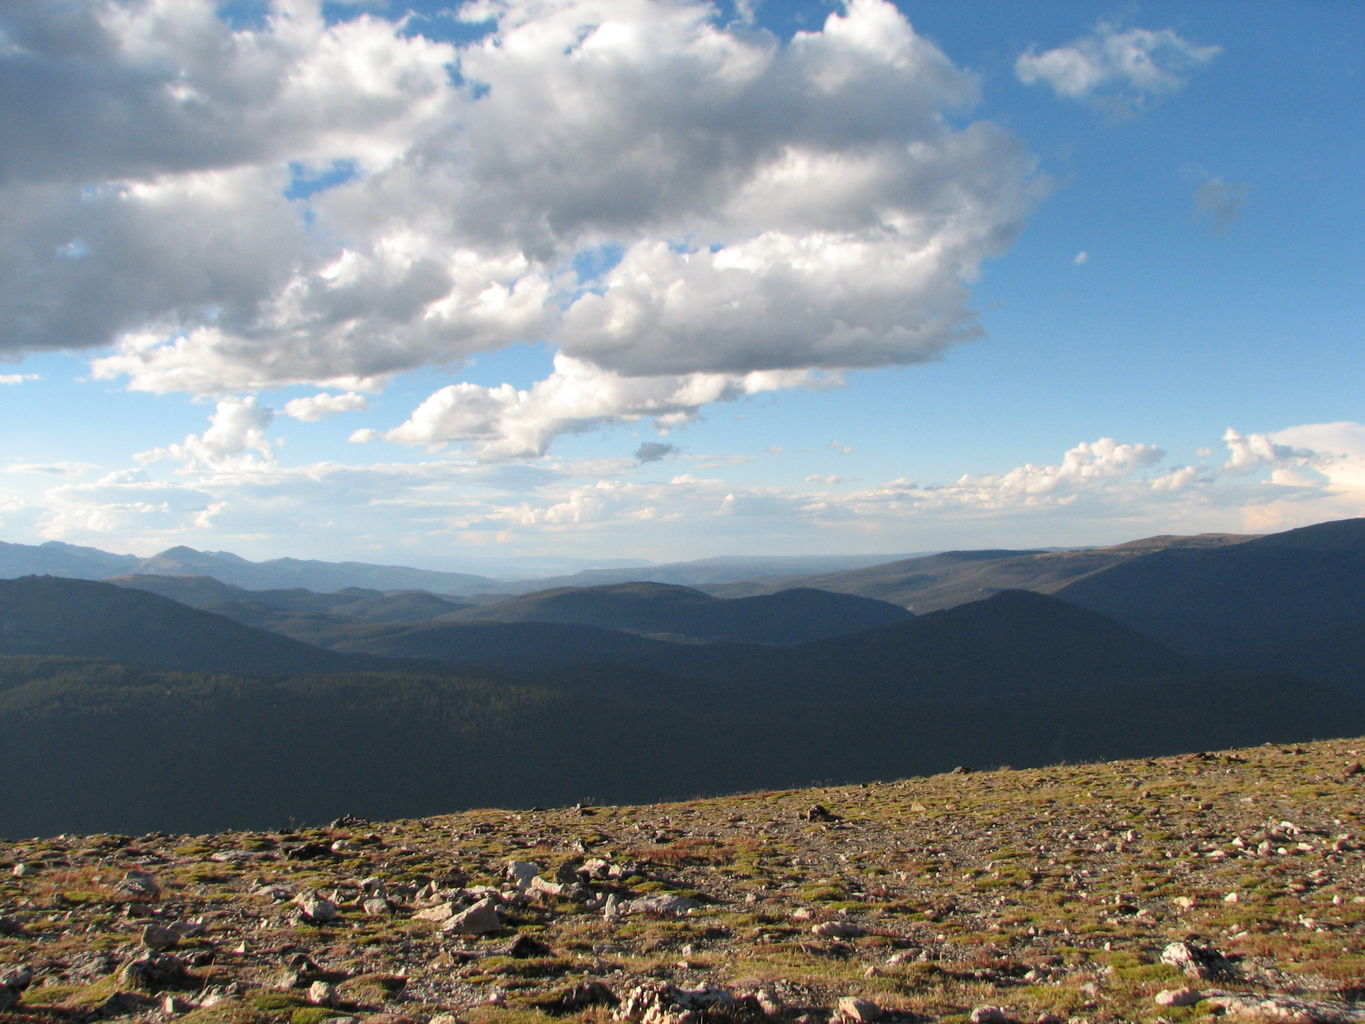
[1288, 602]
[935, 582]
[1008, 648]
[47, 615]
[788, 617]
[192, 753]
[1002, 648]
[535, 647]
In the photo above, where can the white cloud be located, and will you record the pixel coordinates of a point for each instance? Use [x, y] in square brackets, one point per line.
[236, 438]
[1081, 258]
[1120, 70]
[66, 469]
[1220, 202]
[505, 422]
[1097, 492]
[1253, 451]
[288, 201]
[17, 378]
[315, 407]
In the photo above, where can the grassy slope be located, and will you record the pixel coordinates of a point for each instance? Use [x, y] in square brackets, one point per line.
[1047, 891]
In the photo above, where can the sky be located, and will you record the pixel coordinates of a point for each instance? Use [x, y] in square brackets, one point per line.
[513, 282]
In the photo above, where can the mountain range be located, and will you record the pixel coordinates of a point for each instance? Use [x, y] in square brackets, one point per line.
[56, 558]
[261, 705]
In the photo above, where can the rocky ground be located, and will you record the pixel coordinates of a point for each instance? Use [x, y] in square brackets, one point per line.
[1165, 890]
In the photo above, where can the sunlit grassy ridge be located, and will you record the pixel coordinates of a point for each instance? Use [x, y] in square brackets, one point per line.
[1047, 891]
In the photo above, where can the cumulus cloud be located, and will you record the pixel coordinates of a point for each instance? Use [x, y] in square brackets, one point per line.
[505, 422]
[235, 439]
[288, 200]
[315, 407]
[1251, 451]
[1121, 70]
[1220, 202]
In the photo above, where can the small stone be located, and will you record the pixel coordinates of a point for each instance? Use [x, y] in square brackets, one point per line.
[22, 870]
[139, 884]
[156, 936]
[1178, 997]
[481, 918]
[541, 885]
[376, 906]
[316, 910]
[769, 1002]
[521, 872]
[1198, 961]
[440, 912]
[990, 1015]
[837, 930]
[664, 904]
[859, 1011]
[322, 993]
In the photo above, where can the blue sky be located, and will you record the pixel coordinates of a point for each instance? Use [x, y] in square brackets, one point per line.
[658, 280]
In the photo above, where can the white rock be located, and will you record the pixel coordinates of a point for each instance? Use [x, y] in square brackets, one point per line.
[1178, 997]
[481, 918]
[837, 930]
[438, 913]
[316, 909]
[521, 872]
[860, 1011]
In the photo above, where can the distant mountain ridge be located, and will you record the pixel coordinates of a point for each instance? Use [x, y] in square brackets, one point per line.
[933, 582]
[67, 560]
[55, 558]
[209, 594]
[787, 617]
